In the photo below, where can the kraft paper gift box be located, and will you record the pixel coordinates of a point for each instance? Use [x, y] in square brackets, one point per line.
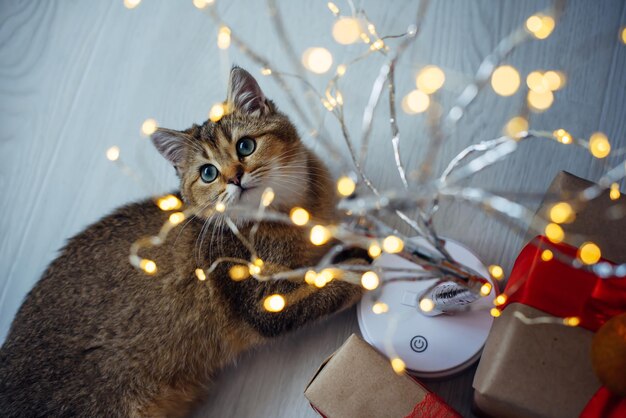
[545, 370]
[358, 382]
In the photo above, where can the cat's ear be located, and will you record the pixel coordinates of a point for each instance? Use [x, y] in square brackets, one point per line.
[171, 144]
[245, 95]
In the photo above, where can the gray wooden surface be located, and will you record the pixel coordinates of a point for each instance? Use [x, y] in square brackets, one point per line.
[78, 77]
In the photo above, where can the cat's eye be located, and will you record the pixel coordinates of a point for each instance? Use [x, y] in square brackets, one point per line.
[208, 173]
[245, 146]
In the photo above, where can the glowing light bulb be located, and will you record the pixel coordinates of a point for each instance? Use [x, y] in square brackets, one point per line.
[200, 4]
[374, 250]
[299, 216]
[614, 194]
[223, 37]
[266, 71]
[415, 102]
[310, 277]
[430, 79]
[346, 30]
[258, 262]
[380, 307]
[220, 207]
[505, 80]
[239, 272]
[274, 303]
[547, 255]
[516, 126]
[485, 289]
[148, 266]
[398, 365]
[253, 269]
[540, 26]
[176, 218]
[589, 253]
[113, 153]
[496, 271]
[131, 4]
[554, 233]
[500, 300]
[599, 145]
[346, 186]
[562, 136]
[393, 244]
[377, 45]
[495, 312]
[571, 321]
[149, 126]
[319, 281]
[624, 35]
[320, 235]
[555, 79]
[268, 197]
[537, 82]
[370, 280]
[562, 212]
[169, 202]
[341, 69]
[217, 112]
[200, 275]
[333, 8]
[317, 60]
[539, 102]
[427, 305]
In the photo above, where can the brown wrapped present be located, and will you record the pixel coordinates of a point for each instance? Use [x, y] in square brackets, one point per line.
[545, 370]
[358, 382]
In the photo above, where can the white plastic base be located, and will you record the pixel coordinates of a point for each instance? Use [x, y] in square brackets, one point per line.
[431, 347]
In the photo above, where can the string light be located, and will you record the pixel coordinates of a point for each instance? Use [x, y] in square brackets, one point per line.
[380, 307]
[539, 102]
[374, 250]
[253, 269]
[113, 153]
[540, 26]
[537, 82]
[495, 312]
[176, 218]
[239, 272]
[169, 202]
[505, 80]
[299, 216]
[589, 253]
[485, 289]
[555, 79]
[398, 365]
[571, 321]
[131, 4]
[554, 233]
[430, 79]
[599, 145]
[217, 112]
[496, 271]
[562, 212]
[310, 277]
[223, 37]
[200, 275]
[346, 186]
[341, 69]
[266, 71]
[614, 194]
[427, 305]
[346, 30]
[370, 280]
[148, 266]
[547, 255]
[149, 126]
[562, 136]
[317, 60]
[515, 126]
[200, 4]
[333, 8]
[415, 102]
[393, 244]
[268, 197]
[274, 303]
[624, 35]
[500, 299]
[377, 45]
[220, 207]
[320, 235]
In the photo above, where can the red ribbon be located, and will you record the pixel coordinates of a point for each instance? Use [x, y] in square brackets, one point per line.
[565, 291]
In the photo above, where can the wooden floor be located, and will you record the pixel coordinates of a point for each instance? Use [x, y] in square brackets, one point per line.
[79, 77]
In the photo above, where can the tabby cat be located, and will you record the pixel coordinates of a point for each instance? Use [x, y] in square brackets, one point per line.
[97, 337]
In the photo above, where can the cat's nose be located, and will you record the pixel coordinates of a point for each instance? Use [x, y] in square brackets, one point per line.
[236, 179]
